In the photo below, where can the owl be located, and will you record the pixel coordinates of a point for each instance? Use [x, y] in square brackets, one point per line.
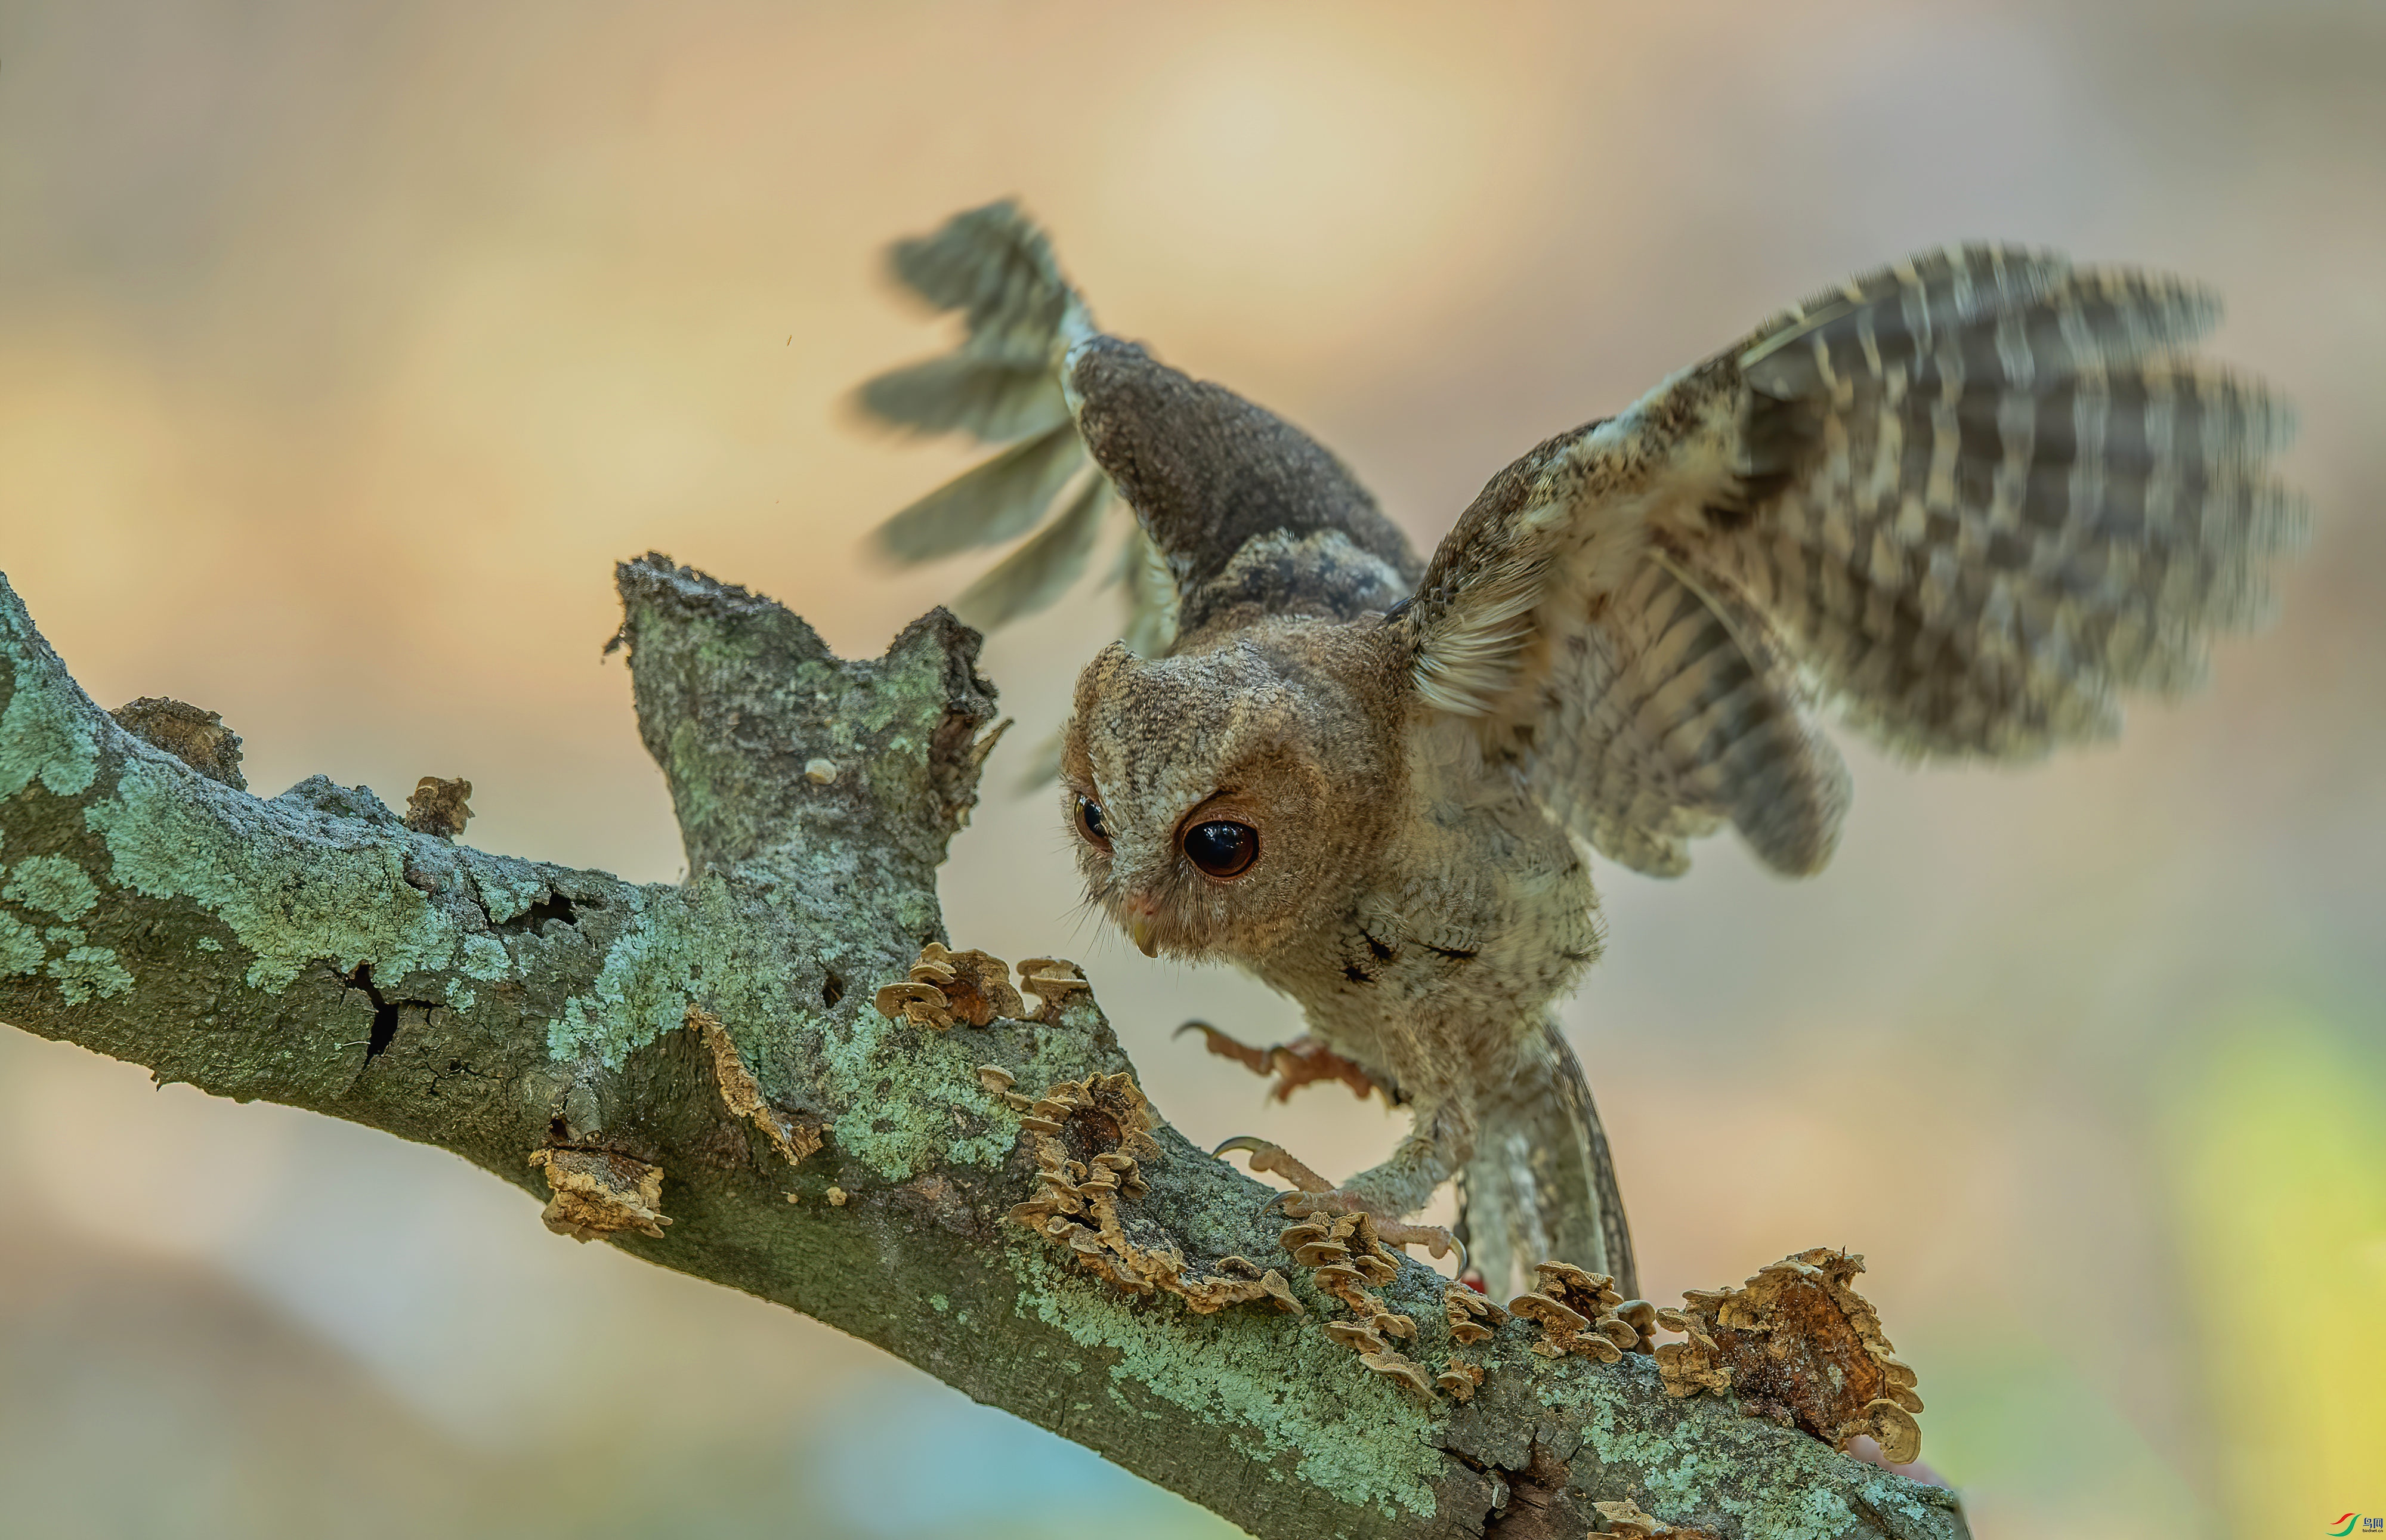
[1962, 507]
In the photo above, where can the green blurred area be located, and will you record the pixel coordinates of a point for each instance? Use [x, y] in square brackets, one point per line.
[343, 348]
[2278, 1143]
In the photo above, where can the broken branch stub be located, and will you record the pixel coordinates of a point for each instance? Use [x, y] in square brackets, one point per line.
[659, 1065]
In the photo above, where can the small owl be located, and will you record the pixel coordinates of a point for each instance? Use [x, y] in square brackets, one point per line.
[1963, 505]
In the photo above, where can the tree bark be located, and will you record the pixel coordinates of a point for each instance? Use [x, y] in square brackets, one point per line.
[312, 950]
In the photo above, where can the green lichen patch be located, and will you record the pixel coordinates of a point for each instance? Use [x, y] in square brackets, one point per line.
[20, 948]
[43, 735]
[902, 1082]
[1703, 1458]
[1364, 1443]
[89, 973]
[290, 894]
[484, 958]
[507, 888]
[891, 1087]
[700, 945]
[51, 883]
[642, 991]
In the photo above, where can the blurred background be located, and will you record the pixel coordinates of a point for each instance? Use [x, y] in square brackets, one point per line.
[344, 350]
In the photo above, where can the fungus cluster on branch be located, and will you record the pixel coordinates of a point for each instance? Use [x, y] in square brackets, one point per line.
[1091, 1136]
[192, 733]
[1347, 1258]
[946, 986]
[1798, 1345]
[1581, 1313]
[439, 806]
[600, 1193]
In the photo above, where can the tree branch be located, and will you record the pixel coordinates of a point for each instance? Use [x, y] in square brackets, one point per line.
[313, 950]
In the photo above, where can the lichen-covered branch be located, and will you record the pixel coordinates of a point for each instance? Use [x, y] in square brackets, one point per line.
[698, 1074]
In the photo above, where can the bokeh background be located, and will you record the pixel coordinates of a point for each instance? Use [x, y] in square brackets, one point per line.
[343, 347]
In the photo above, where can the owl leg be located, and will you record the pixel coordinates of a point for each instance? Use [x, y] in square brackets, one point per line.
[1300, 1062]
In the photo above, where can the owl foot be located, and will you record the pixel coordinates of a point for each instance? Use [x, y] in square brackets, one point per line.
[1301, 1062]
[1313, 1195]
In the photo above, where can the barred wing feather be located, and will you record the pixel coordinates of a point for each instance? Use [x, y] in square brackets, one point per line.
[1964, 504]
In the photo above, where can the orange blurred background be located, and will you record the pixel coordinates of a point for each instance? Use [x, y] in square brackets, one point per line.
[343, 348]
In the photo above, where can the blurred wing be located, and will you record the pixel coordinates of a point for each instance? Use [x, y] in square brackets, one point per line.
[1042, 570]
[1966, 504]
[1002, 384]
[1239, 514]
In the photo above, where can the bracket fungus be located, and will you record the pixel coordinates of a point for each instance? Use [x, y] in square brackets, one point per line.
[439, 806]
[742, 1095]
[1797, 1345]
[1468, 1312]
[1625, 1517]
[1091, 1137]
[976, 986]
[946, 986]
[1576, 1311]
[1345, 1256]
[196, 736]
[600, 1192]
[923, 1005]
[998, 1083]
[1407, 1373]
[1054, 981]
[1461, 1378]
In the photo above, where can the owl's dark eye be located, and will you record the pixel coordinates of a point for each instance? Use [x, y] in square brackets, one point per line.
[1089, 818]
[1222, 849]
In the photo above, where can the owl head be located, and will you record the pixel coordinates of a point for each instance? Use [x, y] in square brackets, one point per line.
[1222, 798]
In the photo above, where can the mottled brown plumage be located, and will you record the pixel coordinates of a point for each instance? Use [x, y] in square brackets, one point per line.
[1963, 505]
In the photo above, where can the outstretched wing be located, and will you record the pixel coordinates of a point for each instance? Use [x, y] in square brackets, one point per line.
[1966, 504]
[1238, 512]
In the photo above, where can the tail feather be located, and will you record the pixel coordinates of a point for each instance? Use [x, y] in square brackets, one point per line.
[1541, 1185]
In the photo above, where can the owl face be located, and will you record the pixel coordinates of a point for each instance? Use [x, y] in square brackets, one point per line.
[1220, 799]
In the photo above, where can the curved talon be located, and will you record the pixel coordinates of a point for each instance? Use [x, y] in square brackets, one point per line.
[1250, 1141]
[1259, 1061]
[1436, 1241]
[1268, 1208]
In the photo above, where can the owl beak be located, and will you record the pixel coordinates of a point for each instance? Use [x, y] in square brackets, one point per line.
[1141, 918]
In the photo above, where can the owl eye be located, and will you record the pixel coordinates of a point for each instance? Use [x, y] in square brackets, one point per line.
[1222, 849]
[1089, 818]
